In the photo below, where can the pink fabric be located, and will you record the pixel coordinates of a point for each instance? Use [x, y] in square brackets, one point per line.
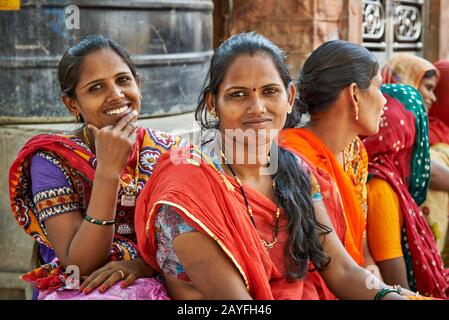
[141, 289]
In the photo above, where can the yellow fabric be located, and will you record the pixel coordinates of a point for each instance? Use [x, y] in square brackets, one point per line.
[436, 206]
[384, 222]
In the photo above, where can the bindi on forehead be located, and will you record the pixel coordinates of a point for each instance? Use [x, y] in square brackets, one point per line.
[254, 89]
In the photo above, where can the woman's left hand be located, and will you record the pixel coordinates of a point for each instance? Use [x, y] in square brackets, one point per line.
[111, 273]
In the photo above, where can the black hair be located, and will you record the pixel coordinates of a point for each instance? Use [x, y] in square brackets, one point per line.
[329, 69]
[430, 74]
[71, 61]
[292, 183]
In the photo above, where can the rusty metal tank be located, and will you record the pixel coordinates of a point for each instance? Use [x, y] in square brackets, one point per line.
[170, 42]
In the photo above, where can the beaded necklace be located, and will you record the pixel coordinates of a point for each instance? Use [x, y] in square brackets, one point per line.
[267, 245]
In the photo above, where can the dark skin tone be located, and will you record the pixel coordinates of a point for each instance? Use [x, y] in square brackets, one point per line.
[341, 117]
[213, 275]
[439, 173]
[108, 97]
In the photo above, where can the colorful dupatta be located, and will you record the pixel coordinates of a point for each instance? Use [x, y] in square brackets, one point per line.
[78, 163]
[410, 70]
[305, 144]
[393, 157]
[406, 69]
[211, 202]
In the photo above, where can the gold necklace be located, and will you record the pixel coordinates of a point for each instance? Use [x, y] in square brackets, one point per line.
[129, 195]
[267, 245]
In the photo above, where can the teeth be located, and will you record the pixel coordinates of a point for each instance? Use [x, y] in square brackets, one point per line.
[117, 111]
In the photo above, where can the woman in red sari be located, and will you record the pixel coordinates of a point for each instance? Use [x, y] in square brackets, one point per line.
[339, 87]
[426, 78]
[399, 166]
[439, 140]
[238, 217]
[74, 192]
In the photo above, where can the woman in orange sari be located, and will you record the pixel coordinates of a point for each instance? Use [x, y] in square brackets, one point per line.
[238, 217]
[425, 77]
[339, 86]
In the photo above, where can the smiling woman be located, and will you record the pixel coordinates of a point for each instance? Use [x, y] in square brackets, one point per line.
[75, 192]
[218, 228]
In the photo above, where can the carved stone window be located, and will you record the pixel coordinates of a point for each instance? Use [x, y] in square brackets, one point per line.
[393, 25]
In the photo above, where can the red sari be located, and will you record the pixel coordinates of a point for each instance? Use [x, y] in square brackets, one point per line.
[79, 164]
[211, 203]
[439, 112]
[390, 153]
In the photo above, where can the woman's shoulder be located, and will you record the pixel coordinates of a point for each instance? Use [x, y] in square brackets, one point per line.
[161, 138]
[379, 187]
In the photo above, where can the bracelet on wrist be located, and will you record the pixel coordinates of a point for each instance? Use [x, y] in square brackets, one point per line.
[99, 222]
[383, 292]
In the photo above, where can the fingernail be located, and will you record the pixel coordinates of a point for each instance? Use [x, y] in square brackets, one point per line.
[102, 289]
[123, 284]
[87, 290]
[135, 112]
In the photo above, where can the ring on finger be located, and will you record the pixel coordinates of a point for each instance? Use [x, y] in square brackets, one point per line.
[121, 273]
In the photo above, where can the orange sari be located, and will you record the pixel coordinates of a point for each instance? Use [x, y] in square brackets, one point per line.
[306, 144]
[212, 204]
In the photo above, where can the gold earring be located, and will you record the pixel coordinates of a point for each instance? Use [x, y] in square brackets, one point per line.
[77, 119]
[289, 108]
[357, 113]
[213, 111]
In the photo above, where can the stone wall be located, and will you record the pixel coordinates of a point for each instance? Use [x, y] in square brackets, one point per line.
[297, 26]
[437, 44]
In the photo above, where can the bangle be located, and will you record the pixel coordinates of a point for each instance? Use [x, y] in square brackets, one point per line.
[99, 222]
[383, 292]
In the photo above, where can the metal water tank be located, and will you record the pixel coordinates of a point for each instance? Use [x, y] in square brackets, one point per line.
[170, 42]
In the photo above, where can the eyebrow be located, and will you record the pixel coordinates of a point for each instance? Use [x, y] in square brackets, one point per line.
[98, 80]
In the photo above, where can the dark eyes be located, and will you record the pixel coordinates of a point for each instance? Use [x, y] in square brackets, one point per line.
[271, 91]
[95, 87]
[266, 91]
[122, 80]
[238, 94]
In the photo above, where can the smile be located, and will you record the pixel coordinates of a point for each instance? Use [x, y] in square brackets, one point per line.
[118, 111]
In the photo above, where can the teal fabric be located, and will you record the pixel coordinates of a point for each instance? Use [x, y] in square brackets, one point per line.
[420, 162]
